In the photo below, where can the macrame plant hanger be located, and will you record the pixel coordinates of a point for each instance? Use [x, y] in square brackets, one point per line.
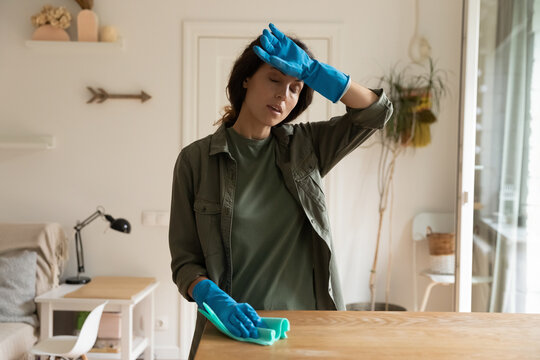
[419, 47]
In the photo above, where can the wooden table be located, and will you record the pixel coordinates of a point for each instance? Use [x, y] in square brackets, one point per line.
[387, 335]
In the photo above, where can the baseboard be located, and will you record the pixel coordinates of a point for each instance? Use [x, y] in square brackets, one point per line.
[167, 353]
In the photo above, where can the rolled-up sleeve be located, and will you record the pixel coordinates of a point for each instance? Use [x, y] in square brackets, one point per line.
[187, 260]
[333, 139]
[376, 115]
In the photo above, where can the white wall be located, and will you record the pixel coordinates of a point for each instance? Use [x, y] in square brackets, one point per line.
[120, 154]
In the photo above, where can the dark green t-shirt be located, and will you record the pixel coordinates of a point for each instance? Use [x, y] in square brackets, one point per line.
[271, 244]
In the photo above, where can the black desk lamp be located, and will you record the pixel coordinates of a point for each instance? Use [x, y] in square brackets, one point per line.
[121, 225]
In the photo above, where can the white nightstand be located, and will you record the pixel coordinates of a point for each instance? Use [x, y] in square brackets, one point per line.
[131, 346]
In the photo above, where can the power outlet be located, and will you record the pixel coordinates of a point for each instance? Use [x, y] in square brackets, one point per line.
[162, 323]
[155, 218]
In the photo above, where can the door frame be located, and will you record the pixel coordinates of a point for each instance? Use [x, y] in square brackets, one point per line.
[466, 155]
[194, 31]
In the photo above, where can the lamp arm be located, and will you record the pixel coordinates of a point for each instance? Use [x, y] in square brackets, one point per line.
[79, 252]
[89, 219]
[78, 240]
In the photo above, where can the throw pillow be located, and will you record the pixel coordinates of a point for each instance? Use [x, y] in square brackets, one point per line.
[18, 286]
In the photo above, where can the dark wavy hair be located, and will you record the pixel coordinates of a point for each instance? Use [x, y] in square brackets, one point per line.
[244, 67]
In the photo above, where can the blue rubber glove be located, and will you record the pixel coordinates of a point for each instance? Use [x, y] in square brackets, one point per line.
[240, 319]
[282, 53]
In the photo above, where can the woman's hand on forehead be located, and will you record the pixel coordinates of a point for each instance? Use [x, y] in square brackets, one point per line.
[281, 73]
[284, 54]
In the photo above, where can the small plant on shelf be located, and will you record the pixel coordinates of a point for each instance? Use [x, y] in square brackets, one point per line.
[51, 23]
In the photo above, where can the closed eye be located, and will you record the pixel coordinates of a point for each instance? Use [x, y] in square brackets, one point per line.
[295, 89]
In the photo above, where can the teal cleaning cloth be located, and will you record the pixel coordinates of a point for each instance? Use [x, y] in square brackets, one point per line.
[277, 328]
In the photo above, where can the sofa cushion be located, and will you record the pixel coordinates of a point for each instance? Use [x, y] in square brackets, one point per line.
[15, 341]
[18, 286]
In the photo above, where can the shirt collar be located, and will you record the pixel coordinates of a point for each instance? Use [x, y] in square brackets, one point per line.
[218, 141]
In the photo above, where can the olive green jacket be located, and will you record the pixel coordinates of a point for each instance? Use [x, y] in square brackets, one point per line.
[203, 190]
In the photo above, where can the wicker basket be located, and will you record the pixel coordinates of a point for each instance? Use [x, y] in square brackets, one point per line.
[441, 251]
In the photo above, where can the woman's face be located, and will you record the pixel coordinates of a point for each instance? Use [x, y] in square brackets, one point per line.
[270, 96]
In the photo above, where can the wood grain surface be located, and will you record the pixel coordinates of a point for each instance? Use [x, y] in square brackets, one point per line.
[111, 287]
[387, 335]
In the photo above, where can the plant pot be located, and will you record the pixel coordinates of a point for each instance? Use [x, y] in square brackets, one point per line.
[87, 26]
[379, 306]
[50, 33]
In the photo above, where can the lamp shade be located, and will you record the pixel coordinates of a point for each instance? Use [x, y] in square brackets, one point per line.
[119, 224]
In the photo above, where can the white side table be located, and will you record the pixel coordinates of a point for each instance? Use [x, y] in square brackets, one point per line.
[131, 346]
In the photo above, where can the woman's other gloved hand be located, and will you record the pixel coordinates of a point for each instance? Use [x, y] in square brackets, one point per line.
[240, 319]
[282, 53]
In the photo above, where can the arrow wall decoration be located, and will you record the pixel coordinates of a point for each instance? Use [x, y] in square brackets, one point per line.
[101, 95]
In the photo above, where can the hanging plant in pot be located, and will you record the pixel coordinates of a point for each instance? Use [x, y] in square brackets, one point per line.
[50, 24]
[416, 94]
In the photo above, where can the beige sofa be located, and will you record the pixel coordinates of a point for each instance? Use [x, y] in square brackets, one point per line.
[25, 249]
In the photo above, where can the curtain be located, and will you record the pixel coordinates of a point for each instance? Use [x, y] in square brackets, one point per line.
[513, 57]
[504, 182]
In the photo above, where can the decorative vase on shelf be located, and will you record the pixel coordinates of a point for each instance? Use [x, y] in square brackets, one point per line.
[50, 33]
[50, 23]
[87, 25]
[108, 34]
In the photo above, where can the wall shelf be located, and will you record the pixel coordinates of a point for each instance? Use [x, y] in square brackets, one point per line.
[41, 142]
[75, 45]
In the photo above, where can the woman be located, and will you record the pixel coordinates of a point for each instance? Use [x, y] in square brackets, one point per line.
[249, 228]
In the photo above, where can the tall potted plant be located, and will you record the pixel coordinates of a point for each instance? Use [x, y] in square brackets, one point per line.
[415, 92]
